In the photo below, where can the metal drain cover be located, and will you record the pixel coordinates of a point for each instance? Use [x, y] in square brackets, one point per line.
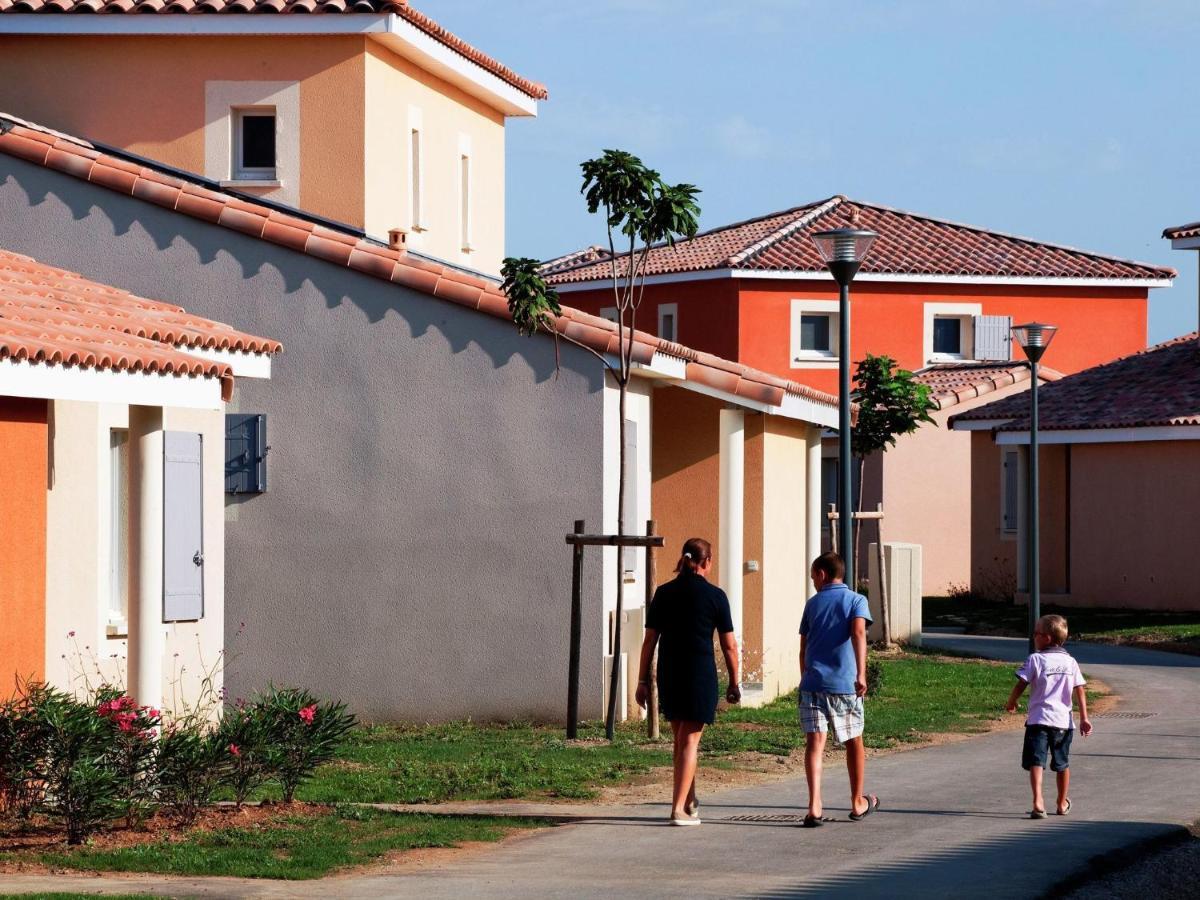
[764, 818]
[1125, 715]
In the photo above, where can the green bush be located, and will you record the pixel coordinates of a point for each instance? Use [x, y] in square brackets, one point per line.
[23, 738]
[301, 733]
[131, 750]
[245, 735]
[191, 763]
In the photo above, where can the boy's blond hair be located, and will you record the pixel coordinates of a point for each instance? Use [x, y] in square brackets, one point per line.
[1055, 627]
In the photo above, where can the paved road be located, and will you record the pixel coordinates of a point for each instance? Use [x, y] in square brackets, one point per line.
[951, 822]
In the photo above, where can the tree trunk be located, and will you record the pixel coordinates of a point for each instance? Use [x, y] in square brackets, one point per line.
[613, 681]
[858, 572]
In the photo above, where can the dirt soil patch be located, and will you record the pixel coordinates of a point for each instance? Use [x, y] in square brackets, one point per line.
[43, 836]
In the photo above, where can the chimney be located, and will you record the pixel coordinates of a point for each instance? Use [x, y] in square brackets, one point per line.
[397, 238]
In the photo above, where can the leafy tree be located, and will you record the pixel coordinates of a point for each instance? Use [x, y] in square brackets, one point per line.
[641, 211]
[891, 402]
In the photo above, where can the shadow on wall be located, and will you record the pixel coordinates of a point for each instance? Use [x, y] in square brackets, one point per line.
[1037, 859]
[254, 256]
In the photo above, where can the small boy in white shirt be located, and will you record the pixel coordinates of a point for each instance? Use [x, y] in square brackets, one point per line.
[1055, 677]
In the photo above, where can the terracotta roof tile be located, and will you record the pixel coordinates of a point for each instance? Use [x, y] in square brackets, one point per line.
[1154, 387]
[954, 383]
[908, 244]
[399, 8]
[1192, 229]
[384, 263]
[51, 315]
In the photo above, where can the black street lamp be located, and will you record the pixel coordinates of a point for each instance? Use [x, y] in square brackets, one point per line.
[843, 250]
[1034, 338]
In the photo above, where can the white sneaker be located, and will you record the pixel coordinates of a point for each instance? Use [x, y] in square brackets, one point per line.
[685, 820]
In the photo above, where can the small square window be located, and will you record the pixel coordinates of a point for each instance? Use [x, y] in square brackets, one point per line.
[814, 333]
[610, 313]
[668, 321]
[254, 144]
[947, 336]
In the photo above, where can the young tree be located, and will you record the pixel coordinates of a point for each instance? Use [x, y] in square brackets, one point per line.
[640, 211]
[891, 402]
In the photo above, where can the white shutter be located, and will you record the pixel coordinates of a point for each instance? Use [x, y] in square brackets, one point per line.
[633, 524]
[183, 526]
[993, 338]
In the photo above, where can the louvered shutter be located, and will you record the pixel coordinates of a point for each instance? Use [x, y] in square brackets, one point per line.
[183, 526]
[993, 338]
[245, 453]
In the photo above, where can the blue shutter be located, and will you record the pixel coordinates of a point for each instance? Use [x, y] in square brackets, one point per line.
[993, 338]
[183, 526]
[245, 453]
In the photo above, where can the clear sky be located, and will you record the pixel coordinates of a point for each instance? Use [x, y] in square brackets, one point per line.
[1072, 122]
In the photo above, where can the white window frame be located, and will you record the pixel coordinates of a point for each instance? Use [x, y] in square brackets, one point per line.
[672, 310]
[239, 170]
[223, 100]
[416, 171]
[465, 193]
[966, 313]
[813, 359]
[118, 561]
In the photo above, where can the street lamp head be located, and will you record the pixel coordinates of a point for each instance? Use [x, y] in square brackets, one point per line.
[1034, 338]
[843, 250]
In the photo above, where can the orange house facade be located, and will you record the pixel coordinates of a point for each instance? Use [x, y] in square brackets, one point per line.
[931, 292]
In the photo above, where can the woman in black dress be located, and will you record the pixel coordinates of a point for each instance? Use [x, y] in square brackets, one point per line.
[683, 615]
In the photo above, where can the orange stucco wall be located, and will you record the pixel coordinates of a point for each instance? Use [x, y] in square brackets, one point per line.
[1095, 324]
[147, 95]
[707, 312]
[1133, 538]
[23, 461]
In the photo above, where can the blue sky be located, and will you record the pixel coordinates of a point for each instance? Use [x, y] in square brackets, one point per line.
[1073, 122]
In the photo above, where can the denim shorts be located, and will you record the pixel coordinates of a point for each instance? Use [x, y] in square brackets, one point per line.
[840, 713]
[1042, 742]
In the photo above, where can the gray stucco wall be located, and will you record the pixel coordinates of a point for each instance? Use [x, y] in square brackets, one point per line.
[425, 464]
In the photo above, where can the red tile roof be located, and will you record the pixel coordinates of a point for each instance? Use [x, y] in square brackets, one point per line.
[54, 316]
[908, 244]
[76, 157]
[954, 383]
[1192, 229]
[235, 7]
[1154, 387]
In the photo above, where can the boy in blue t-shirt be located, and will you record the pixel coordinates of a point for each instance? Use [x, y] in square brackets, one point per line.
[833, 682]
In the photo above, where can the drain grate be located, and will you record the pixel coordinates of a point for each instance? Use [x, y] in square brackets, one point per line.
[1125, 715]
[764, 818]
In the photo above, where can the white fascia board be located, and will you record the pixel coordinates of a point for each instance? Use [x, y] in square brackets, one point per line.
[22, 378]
[1188, 243]
[1105, 435]
[394, 32]
[243, 363]
[885, 277]
[979, 424]
[409, 41]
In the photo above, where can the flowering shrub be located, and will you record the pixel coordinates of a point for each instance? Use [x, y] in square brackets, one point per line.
[246, 738]
[23, 738]
[192, 763]
[131, 750]
[301, 733]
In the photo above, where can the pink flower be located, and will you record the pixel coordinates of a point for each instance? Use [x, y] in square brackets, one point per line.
[307, 713]
[154, 713]
[235, 750]
[70, 634]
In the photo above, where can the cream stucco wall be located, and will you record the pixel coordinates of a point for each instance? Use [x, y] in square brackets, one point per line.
[401, 96]
[78, 556]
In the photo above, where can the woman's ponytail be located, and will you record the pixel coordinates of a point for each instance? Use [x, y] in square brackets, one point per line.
[696, 552]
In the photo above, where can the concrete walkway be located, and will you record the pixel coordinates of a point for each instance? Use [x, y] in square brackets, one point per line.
[951, 822]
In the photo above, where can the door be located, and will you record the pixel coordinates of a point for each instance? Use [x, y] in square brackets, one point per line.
[183, 526]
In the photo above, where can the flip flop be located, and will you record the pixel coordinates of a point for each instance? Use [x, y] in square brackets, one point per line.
[1067, 808]
[1037, 814]
[691, 820]
[811, 821]
[872, 805]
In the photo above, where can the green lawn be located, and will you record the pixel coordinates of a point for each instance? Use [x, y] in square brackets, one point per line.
[1175, 631]
[293, 847]
[464, 761]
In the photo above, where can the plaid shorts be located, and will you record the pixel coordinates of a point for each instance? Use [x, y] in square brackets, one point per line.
[840, 713]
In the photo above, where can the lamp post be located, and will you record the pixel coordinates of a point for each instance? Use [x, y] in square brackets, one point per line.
[843, 250]
[1034, 338]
